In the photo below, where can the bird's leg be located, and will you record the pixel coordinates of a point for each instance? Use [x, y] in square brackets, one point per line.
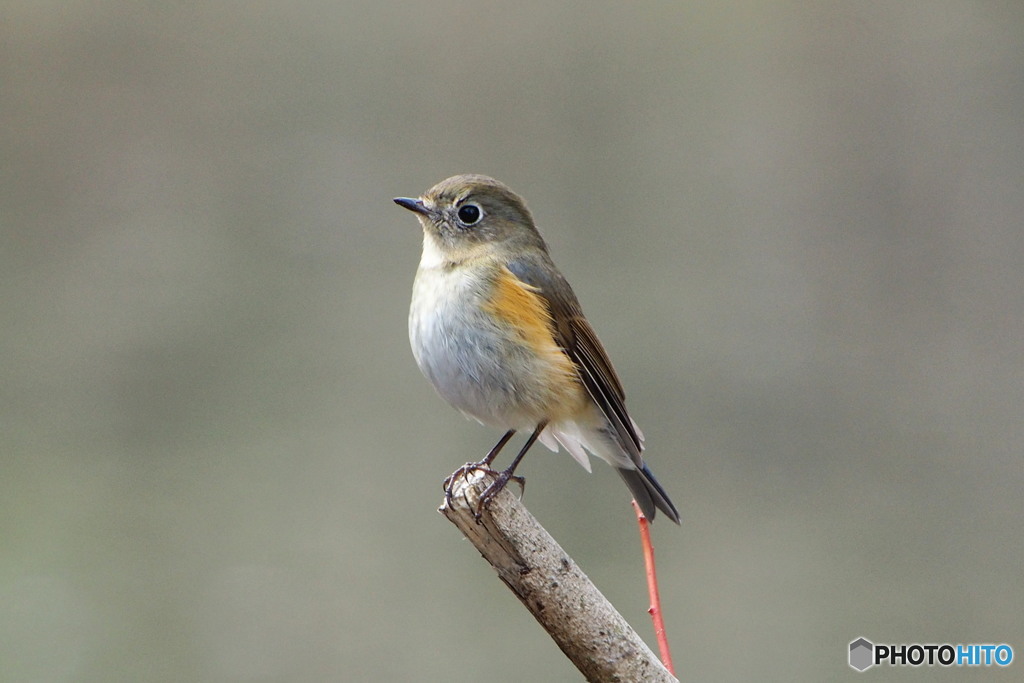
[503, 478]
[484, 464]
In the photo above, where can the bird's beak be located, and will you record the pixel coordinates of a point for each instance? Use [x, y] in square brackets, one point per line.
[414, 205]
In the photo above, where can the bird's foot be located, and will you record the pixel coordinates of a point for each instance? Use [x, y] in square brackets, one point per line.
[501, 480]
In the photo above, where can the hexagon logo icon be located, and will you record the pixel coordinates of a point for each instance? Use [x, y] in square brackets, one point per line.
[862, 653]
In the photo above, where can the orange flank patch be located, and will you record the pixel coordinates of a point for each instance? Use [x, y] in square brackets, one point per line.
[518, 304]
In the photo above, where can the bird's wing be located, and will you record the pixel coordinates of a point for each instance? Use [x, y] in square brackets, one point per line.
[577, 338]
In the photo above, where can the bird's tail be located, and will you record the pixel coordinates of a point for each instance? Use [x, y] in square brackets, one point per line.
[647, 492]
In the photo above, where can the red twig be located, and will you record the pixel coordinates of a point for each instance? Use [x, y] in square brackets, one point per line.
[652, 590]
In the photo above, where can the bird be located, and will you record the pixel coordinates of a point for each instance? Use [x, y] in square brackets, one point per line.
[499, 333]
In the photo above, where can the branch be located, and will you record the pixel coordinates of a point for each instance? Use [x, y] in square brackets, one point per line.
[652, 590]
[561, 598]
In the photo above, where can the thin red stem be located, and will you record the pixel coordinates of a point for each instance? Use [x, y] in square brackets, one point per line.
[652, 590]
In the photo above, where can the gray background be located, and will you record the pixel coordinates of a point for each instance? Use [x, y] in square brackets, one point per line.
[797, 228]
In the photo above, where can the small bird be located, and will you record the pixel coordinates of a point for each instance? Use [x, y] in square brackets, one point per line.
[498, 331]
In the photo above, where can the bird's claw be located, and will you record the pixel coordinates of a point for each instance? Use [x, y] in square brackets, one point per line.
[501, 480]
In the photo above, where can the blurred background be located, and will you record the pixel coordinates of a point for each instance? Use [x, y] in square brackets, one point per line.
[797, 229]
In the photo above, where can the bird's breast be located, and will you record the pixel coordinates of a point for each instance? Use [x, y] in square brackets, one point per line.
[483, 338]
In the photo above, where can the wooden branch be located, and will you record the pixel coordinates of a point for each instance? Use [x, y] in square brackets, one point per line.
[591, 633]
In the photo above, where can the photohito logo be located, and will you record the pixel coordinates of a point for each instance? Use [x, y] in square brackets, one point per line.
[864, 654]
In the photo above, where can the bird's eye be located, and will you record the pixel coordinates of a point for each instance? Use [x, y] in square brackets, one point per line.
[470, 214]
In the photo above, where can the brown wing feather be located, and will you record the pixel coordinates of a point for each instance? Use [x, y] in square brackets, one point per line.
[575, 335]
[604, 386]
